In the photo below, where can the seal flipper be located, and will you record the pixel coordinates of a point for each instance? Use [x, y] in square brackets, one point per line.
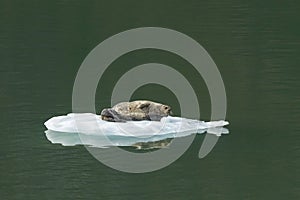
[154, 117]
[111, 115]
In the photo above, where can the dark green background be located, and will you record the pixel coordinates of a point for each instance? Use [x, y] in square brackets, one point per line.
[256, 46]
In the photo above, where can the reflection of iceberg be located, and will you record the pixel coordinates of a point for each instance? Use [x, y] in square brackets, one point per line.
[89, 129]
[72, 139]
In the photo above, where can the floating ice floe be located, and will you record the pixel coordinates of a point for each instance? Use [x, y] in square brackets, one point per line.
[89, 129]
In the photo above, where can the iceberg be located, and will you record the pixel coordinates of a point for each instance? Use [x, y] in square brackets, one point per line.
[89, 129]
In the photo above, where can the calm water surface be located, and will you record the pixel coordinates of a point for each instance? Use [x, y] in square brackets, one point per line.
[256, 47]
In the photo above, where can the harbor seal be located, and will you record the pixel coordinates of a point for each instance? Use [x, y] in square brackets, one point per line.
[136, 111]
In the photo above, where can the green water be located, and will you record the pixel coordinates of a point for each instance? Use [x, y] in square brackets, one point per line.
[255, 45]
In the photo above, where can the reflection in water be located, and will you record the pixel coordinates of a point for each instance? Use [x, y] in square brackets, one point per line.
[72, 139]
[153, 145]
[100, 141]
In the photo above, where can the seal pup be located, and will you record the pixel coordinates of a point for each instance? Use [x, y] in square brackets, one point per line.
[136, 111]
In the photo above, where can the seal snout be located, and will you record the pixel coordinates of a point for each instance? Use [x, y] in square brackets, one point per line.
[168, 110]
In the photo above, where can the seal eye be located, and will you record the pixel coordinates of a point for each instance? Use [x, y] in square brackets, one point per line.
[166, 107]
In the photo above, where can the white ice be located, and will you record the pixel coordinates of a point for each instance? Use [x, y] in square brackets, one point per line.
[89, 129]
